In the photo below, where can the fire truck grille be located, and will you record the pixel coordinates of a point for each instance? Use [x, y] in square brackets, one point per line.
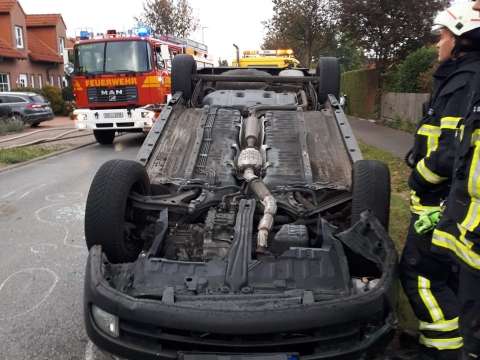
[117, 94]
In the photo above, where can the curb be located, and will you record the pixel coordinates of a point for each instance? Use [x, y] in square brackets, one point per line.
[56, 153]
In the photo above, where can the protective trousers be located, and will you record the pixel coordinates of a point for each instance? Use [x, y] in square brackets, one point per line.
[430, 285]
[452, 237]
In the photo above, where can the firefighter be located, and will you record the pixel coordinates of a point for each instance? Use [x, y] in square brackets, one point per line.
[427, 277]
[458, 233]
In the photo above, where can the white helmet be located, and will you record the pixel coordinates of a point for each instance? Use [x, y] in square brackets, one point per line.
[459, 19]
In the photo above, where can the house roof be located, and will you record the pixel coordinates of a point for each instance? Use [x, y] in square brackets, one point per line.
[7, 5]
[9, 52]
[40, 51]
[38, 20]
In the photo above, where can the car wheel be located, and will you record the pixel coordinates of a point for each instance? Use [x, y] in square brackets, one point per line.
[371, 190]
[183, 67]
[110, 220]
[328, 70]
[104, 137]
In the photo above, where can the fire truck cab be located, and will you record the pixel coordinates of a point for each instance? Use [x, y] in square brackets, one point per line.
[121, 82]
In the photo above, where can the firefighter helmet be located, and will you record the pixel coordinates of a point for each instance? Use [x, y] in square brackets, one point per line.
[460, 19]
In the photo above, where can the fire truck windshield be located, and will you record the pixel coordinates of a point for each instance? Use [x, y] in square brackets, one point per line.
[112, 57]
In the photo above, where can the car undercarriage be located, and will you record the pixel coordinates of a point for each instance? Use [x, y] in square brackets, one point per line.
[249, 227]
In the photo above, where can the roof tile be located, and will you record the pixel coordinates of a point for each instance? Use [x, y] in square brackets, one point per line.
[43, 19]
[7, 51]
[40, 51]
[7, 5]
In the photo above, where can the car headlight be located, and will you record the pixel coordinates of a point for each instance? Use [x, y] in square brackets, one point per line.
[147, 114]
[81, 117]
[107, 322]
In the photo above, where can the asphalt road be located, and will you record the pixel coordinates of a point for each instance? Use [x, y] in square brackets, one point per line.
[43, 253]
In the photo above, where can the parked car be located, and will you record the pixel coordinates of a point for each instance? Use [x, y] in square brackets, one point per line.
[29, 107]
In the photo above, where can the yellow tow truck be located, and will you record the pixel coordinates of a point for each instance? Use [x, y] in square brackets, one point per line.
[267, 59]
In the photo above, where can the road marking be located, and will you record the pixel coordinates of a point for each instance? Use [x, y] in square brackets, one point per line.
[44, 298]
[8, 194]
[65, 228]
[42, 248]
[25, 194]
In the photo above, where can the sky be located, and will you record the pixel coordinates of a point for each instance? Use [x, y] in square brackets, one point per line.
[223, 22]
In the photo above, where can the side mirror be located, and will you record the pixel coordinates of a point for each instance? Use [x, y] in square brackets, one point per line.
[69, 69]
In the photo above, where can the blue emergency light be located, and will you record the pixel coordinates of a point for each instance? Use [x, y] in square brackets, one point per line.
[84, 35]
[143, 31]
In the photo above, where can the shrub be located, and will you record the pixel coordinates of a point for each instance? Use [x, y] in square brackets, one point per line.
[407, 76]
[9, 125]
[54, 96]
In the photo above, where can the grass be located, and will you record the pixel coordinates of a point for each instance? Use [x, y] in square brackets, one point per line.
[399, 217]
[18, 155]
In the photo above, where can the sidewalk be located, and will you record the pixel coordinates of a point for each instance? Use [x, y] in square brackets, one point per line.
[50, 130]
[396, 142]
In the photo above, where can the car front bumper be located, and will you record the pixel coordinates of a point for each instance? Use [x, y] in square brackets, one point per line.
[114, 119]
[154, 329]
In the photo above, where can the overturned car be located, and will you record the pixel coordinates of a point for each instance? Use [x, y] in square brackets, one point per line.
[249, 227]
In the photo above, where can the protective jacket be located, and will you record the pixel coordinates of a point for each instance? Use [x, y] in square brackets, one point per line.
[433, 154]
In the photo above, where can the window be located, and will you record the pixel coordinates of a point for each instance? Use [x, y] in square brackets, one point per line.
[19, 37]
[59, 79]
[61, 43]
[12, 100]
[110, 57]
[4, 82]
[22, 80]
[51, 80]
[32, 81]
[40, 81]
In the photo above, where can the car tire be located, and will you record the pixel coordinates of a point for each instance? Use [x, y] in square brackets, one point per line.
[104, 137]
[183, 67]
[328, 70]
[371, 190]
[110, 221]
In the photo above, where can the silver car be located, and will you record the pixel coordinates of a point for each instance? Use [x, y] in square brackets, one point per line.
[29, 107]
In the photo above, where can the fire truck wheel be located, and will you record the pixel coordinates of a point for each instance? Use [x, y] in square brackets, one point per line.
[371, 190]
[183, 67]
[328, 69]
[104, 137]
[110, 219]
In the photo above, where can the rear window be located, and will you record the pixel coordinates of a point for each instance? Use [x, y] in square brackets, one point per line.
[37, 99]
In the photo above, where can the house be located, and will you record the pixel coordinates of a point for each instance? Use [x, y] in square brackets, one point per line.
[31, 48]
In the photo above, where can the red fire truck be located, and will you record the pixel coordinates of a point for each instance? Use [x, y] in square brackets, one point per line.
[121, 81]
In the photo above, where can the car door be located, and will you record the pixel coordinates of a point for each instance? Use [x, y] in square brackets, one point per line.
[16, 103]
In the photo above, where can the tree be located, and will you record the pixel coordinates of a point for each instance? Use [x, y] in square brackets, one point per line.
[304, 25]
[389, 29]
[407, 76]
[169, 17]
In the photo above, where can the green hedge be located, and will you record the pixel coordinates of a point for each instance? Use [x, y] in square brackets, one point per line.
[361, 88]
[407, 76]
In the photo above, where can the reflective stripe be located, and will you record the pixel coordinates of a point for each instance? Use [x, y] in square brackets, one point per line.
[449, 122]
[429, 300]
[442, 344]
[429, 130]
[472, 220]
[432, 133]
[416, 206]
[428, 174]
[475, 136]
[461, 250]
[442, 325]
